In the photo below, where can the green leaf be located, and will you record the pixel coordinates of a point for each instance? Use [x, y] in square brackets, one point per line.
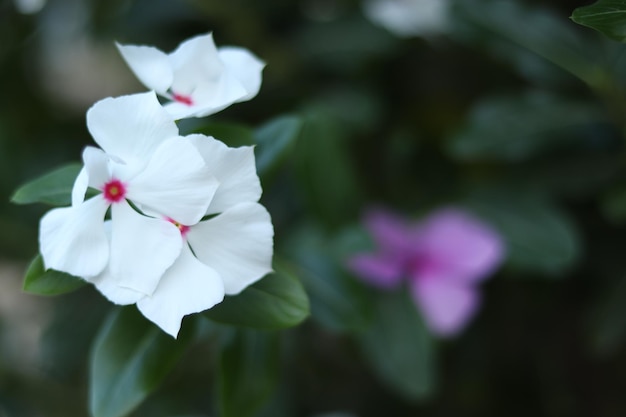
[514, 128]
[248, 372]
[275, 302]
[70, 330]
[606, 16]
[231, 134]
[275, 139]
[503, 25]
[399, 347]
[337, 301]
[131, 357]
[539, 236]
[49, 282]
[325, 170]
[53, 188]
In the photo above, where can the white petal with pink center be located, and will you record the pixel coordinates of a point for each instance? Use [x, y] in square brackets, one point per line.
[155, 251]
[161, 171]
[238, 244]
[199, 78]
[176, 182]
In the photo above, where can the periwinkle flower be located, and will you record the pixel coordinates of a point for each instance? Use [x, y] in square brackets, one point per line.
[220, 256]
[143, 161]
[199, 78]
[444, 257]
[185, 226]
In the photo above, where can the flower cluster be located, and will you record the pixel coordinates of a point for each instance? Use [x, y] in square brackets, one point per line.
[443, 257]
[175, 222]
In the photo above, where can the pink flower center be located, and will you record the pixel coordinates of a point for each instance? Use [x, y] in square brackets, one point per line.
[421, 265]
[114, 191]
[183, 229]
[181, 98]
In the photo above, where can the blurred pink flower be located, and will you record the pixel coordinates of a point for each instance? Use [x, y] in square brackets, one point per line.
[443, 258]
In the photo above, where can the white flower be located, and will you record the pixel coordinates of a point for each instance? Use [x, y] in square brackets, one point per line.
[197, 77]
[29, 6]
[221, 255]
[407, 18]
[146, 163]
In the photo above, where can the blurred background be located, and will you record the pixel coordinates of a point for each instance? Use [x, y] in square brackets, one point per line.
[506, 108]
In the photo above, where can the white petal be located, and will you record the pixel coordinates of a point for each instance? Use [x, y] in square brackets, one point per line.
[238, 244]
[246, 67]
[200, 74]
[182, 111]
[142, 248]
[110, 288]
[81, 183]
[94, 173]
[234, 168]
[131, 127]
[72, 239]
[175, 183]
[195, 60]
[187, 287]
[109, 285]
[150, 65]
[97, 165]
[209, 97]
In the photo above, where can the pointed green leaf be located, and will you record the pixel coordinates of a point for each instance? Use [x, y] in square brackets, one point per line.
[49, 282]
[248, 372]
[53, 188]
[606, 16]
[276, 301]
[503, 26]
[131, 357]
[274, 141]
[399, 347]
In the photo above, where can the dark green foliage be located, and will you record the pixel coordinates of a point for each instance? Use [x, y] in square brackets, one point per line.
[276, 301]
[606, 16]
[515, 113]
[49, 282]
